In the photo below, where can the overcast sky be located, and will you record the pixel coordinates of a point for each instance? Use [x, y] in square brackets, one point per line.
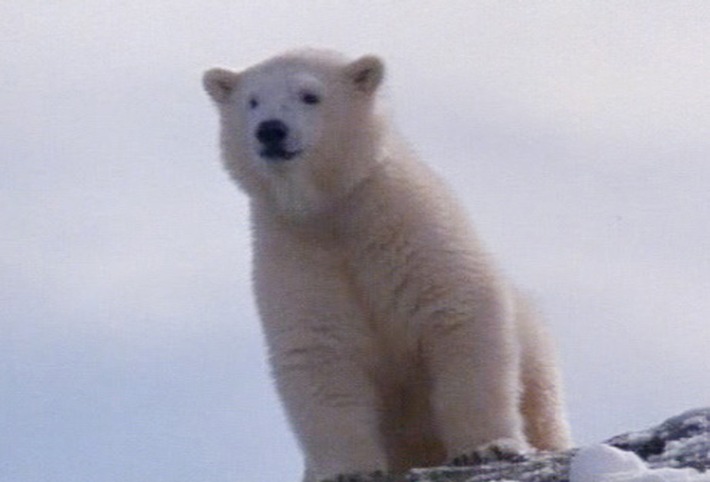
[576, 133]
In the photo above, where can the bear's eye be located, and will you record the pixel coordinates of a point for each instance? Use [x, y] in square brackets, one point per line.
[310, 98]
[253, 103]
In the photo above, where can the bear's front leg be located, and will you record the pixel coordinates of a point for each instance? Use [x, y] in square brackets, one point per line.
[474, 368]
[321, 354]
[333, 409]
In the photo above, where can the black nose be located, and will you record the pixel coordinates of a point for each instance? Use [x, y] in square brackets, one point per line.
[272, 132]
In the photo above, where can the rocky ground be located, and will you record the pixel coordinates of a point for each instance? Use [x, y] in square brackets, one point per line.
[681, 441]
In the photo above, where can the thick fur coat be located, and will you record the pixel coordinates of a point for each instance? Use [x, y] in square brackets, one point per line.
[394, 341]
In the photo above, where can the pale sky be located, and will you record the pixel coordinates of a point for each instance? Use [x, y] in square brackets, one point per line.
[576, 133]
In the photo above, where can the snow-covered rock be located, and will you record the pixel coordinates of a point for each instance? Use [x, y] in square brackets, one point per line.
[665, 453]
[681, 441]
[604, 463]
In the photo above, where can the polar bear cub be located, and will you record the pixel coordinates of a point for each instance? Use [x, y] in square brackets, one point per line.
[394, 341]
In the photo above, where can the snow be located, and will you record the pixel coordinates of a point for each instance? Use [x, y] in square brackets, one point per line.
[675, 448]
[696, 421]
[604, 463]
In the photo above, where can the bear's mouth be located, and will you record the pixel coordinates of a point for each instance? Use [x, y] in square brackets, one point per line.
[277, 154]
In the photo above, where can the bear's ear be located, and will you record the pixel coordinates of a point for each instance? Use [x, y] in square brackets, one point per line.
[220, 83]
[366, 73]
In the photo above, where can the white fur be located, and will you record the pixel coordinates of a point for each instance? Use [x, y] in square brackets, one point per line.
[393, 339]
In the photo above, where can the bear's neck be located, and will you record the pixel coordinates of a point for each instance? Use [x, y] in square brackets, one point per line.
[371, 207]
[303, 194]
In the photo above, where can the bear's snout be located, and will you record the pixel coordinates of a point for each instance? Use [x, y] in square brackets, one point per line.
[272, 132]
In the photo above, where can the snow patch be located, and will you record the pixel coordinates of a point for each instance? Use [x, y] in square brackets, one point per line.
[696, 421]
[603, 463]
[675, 448]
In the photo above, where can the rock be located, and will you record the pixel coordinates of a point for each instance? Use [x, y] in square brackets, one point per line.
[681, 441]
[541, 467]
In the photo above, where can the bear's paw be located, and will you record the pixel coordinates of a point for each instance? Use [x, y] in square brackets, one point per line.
[504, 449]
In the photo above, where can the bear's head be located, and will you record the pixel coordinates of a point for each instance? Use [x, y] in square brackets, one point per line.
[299, 130]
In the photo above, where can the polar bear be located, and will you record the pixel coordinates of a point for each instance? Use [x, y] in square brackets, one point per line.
[394, 341]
